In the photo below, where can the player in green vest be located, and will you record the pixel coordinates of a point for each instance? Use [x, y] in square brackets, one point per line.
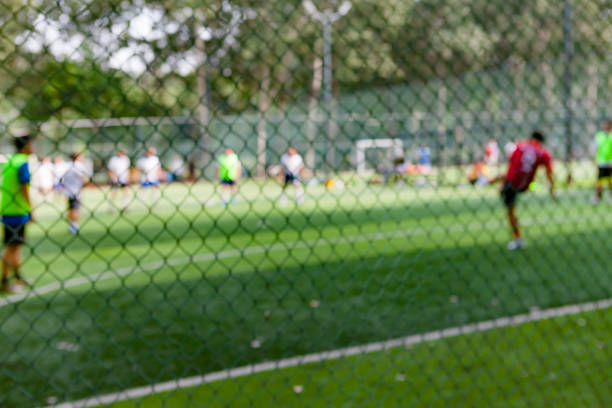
[229, 170]
[16, 211]
[603, 158]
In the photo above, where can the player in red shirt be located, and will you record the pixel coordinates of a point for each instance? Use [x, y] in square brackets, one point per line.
[524, 162]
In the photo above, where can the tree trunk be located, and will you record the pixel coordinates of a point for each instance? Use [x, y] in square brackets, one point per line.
[592, 88]
[519, 85]
[203, 113]
[441, 116]
[262, 134]
[549, 86]
[312, 125]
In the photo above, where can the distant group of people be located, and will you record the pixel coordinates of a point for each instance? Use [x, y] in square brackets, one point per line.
[61, 176]
[422, 166]
[66, 179]
[480, 171]
[70, 177]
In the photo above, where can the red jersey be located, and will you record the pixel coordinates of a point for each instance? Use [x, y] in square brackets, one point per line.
[524, 162]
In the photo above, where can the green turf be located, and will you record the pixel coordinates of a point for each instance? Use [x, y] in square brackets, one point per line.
[381, 261]
[562, 362]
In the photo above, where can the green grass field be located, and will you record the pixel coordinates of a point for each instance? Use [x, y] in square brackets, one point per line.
[188, 288]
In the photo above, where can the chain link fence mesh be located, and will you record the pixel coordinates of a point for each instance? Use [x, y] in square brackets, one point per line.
[376, 275]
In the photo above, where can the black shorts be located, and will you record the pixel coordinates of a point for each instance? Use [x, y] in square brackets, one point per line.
[509, 194]
[74, 203]
[118, 185]
[291, 178]
[228, 182]
[604, 172]
[14, 234]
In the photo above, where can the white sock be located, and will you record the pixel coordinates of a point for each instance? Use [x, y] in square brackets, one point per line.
[225, 197]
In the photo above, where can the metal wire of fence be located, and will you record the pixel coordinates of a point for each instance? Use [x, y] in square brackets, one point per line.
[296, 203]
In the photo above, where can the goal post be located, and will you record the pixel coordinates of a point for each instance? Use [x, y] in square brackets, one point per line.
[395, 149]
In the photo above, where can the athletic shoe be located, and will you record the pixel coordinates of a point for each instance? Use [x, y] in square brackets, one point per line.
[19, 287]
[515, 244]
[22, 283]
[74, 230]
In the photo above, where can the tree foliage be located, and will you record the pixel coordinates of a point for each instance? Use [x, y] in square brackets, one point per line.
[101, 58]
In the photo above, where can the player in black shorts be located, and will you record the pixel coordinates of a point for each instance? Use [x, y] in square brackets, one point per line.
[16, 211]
[290, 178]
[293, 166]
[603, 158]
[509, 194]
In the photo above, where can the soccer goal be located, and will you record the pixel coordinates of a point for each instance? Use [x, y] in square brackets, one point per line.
[393, 148]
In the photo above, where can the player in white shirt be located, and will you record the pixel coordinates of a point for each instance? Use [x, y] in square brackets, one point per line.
[492, 153]
[119, 174]
[293, 166]
[150, 172]
[45, 178]
[59, 169]
[73, 181]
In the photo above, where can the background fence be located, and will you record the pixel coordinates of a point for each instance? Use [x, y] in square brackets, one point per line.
[390, 287]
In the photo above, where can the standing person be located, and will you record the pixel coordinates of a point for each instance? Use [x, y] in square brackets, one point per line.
[177, 168]
[59, 169]
[191, 170]
[16, 211]
[293, 166]
[492, 153]
[603, 158]
[45, 177]
[229, 173]
[150, 172]
[119, 174]
[423, 167]
[524, 162]
[424, 157]
[73, 181]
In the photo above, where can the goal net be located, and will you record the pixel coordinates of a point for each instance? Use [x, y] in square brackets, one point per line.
[374, 153]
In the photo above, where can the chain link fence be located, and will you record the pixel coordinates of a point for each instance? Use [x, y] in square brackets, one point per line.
[367, 266]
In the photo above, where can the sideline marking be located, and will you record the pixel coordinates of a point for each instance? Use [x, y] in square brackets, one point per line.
[208, 256]
[533, 316]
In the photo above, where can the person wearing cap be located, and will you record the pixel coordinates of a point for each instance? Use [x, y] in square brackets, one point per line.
[16, 211]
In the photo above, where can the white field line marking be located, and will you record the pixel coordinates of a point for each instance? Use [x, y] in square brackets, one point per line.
[209, 256]
[533, 316]
[258, 249]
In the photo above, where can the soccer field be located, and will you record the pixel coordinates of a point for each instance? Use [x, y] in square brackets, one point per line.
[188, 288]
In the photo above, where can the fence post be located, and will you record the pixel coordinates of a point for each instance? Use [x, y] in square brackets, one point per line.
[568, 51]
